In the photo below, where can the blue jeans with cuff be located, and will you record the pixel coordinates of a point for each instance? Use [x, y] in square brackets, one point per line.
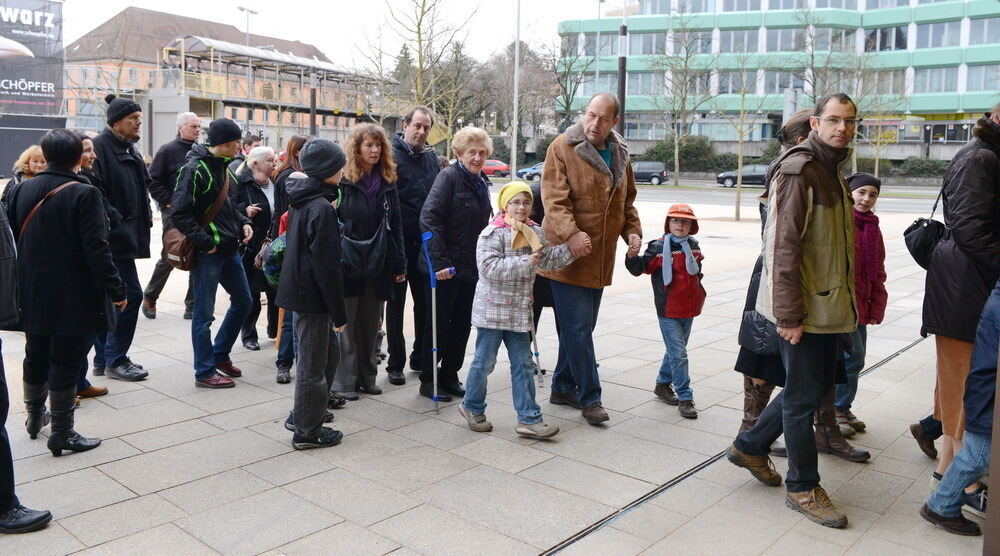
[521, 373]
[211, 271]
[971, 464]
[576, 317]
[854, 363]
[674, 369]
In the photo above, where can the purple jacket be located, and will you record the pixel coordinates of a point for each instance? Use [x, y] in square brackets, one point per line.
[869, 269]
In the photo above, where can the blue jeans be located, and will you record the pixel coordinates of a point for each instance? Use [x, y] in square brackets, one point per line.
[854, 363]
[286, 351]
[211, 271]
[119, 341]
[674, 369]
[971, 464]
[521, 373]
[576, 316]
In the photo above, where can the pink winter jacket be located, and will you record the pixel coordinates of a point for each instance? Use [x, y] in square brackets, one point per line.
[869, 268]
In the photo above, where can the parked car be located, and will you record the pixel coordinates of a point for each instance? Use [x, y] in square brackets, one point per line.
[531, 173]
[496, 168]
[653, 172]
[753, 174]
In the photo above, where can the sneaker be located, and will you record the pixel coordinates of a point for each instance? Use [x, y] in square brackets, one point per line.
[327, 437]
[935, 480]
[845, 428]
[760, 467]
[925, 442]
[957, 525]
[569, 398]
[536, 430]
[476, 421]
[127, 371]
[975, 502]
[666, 393]
[290, 425]
[284, 375]
[215, 381]
[227, 368]
[595, 414]
[851, 419]
[687, 410]
[148, 309]
[335, 401]
[99, 371]
[816, 506]
[251, 345]
[92, 392]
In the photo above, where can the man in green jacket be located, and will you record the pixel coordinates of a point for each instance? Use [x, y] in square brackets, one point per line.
[807, 290]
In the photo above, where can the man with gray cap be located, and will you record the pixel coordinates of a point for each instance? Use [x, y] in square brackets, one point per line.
[203, 181]
[122, 176]
[312, 285]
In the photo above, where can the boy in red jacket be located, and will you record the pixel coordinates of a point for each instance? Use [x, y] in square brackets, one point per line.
[871, 297]
[679, 297]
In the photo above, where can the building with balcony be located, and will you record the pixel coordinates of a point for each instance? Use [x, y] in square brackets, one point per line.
[173, 64]
[923, 71]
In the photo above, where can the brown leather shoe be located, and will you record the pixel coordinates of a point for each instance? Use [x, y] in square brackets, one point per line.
[666, 393]
[595, 414]
[229, 369]
[569, 398]
[925, 442]
[92, 392]
[828, 437]
[215, 381]
[958, 525]
[759, 466]
[816, 505]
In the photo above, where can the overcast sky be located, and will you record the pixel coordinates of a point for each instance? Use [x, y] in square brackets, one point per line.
[341, 28]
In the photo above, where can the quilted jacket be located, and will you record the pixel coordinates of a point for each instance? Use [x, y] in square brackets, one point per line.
[504, 292]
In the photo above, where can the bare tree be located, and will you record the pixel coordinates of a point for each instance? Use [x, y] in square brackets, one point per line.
[567, 68]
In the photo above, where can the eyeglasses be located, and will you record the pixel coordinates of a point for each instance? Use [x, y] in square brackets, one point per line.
[849, 122]
[520, 203]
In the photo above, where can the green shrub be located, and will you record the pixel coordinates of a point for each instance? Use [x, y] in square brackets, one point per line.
[771, 151]
[727, 161]
[923, 167]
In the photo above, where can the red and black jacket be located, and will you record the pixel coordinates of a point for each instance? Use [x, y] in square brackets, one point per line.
[685, 296]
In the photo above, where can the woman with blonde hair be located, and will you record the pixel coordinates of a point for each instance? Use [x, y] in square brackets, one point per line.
[28, 165]
[373, 253]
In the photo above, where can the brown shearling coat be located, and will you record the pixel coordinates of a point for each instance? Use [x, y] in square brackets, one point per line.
[580, 193]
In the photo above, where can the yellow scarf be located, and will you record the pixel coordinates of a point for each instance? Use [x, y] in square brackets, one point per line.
[524, 235]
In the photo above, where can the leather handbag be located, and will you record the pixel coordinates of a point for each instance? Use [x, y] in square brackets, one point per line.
[365, 258]
[181, 253]
[923, 235]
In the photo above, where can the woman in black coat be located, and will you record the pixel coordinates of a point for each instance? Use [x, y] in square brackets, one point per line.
[369, 206]
[455, 212]
[67, 285]
[253, 194]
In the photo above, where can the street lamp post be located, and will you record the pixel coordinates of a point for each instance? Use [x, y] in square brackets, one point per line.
[517, 86]
[622, 54]
[249, 13]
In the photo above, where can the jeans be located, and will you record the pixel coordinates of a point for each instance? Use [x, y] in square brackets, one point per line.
[286, 351]
[971, 464]
[810, 366]
[120, 340]
[394, 309]
[8, 499]
[319, 354]
[454, 324]
[521, 373]
[576, 316]
[211, 271]
[854, 363]
[674, 369]
[162, 271]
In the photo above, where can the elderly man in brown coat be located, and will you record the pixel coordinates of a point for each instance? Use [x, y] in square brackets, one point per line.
[588, 192]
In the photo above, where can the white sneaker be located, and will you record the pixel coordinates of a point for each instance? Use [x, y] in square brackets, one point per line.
[476, 422]
[537, 430]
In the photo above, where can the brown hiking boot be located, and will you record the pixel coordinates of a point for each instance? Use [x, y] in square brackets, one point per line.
[569, 398]
[957, 525]
[666, 393]
[828, 436]
[816, 506]
[595, 414]
[759, 466]
[925, 442]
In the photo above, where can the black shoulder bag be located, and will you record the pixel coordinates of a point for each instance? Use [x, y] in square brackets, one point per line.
[923, 235]
[365, 258]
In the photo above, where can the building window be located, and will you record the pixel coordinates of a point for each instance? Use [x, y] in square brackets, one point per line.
[608, 82]
[699, 84]
[736, 83]
[885, 38]
[569, 45]
[775, 82]
[693, 6]
[839, 4]
[935, 80]
[84, 76]
[609, 44]
[833, 39]
[788, 4]
[984, 78]
[890, 82]
[785, 40]
[653, 7]
[647, 43]
[693, 42]
[931, 1]
[645, 84]
[740, 5]
[984, 31]
[645, 130]
[876, 4]
[935, 35]
[743, 40]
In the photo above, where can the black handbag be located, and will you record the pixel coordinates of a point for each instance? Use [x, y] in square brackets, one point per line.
[366, 258]
[923, 235]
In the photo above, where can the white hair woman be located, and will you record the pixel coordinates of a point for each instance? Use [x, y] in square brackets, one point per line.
[253, 195]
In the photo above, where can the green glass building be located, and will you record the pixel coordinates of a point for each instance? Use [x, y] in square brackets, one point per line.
[923, 71]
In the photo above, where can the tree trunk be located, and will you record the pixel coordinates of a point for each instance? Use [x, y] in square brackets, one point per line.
[739, 177]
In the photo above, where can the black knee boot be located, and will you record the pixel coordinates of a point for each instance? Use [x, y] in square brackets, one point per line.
[63, 436]
[34, 403]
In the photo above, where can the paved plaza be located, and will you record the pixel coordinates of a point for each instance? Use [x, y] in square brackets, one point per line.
[192, 471]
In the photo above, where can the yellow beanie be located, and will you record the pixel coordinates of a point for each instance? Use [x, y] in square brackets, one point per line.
[509, 191]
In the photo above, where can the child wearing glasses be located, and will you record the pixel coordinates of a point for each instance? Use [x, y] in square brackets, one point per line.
[674, 265]
[509, 252]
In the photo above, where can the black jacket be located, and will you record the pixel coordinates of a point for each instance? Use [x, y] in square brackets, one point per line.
[66, 278]
[312, 278]
[455, 215]
[124, 179]
[8, 275]
[163, 171]
[361, 222]
[199, 183]
[243, 192]
[280, 198]
[416, 172]
[966, 263]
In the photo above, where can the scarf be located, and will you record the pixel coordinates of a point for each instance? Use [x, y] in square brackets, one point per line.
[524, 235]
[668, 265]
[371, 184]
[479, 185]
